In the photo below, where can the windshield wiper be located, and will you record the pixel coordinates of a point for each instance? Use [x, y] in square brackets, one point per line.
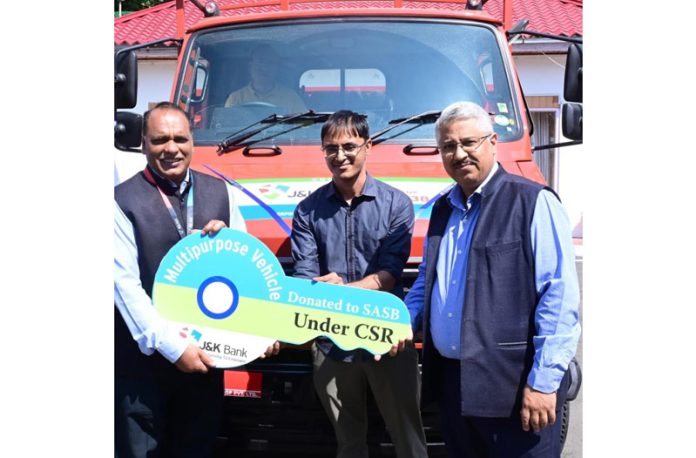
[419, 119]
[234, 141]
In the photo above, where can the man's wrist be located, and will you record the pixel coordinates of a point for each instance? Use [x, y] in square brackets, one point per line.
[173, 346]
[544, 380]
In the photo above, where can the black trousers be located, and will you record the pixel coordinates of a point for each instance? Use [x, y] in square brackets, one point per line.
[482, 437]
[170, 415]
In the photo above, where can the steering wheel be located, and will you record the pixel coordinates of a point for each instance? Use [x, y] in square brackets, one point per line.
[257, 104]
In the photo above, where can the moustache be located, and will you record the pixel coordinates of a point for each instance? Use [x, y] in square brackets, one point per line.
[463, 163]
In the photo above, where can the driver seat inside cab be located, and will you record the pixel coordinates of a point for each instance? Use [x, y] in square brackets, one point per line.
[260, 80]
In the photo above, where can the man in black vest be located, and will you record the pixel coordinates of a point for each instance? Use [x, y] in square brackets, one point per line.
[497, 299]
[167, 399]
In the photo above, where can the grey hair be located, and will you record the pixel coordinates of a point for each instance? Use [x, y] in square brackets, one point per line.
[460, 111]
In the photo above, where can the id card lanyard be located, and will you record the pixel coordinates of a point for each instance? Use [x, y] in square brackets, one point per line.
[170, 209]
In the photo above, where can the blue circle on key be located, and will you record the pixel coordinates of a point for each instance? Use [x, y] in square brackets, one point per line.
[223, 288]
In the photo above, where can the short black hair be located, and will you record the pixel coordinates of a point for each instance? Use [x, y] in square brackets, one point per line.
[346, 121]
[162, 106]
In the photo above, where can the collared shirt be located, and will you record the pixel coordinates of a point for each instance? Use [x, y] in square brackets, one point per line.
[354, 240]
[150, 331]
[279, 96]
[452, 262]
[175, 192]
[556, 317]
[172, 185]
[183, 186]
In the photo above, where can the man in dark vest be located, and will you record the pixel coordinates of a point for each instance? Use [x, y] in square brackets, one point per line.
[168, 399]
[497, 299]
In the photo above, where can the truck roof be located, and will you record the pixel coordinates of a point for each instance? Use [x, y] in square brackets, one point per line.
[238, 11]
[561, 17]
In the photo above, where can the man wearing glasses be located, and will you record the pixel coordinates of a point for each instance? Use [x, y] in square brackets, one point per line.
[356, 230]
[497, 298]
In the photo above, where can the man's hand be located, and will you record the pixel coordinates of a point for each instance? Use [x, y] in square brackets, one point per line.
[194, 360]
[272, 349]
[213, 226]
[538, 409]
[331, 277]
[399, 346]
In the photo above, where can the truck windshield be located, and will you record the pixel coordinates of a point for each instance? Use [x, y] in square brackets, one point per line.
[384, 69]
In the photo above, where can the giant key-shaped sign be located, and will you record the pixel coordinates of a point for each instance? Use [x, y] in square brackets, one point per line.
[229, 293]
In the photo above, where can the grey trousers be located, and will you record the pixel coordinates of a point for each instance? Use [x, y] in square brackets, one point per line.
[395, 383]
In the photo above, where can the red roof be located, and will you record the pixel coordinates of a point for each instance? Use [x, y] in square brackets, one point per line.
[560, 17]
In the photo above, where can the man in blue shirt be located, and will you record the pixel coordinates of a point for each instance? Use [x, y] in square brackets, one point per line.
[497, 299]
[356, 230]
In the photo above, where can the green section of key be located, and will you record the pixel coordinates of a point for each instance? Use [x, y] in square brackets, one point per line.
[284, 322]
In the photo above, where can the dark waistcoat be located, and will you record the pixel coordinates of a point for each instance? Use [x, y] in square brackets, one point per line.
[155, 233]
[500, 300]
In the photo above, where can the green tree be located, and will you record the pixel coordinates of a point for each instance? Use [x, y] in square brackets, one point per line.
[134, 5]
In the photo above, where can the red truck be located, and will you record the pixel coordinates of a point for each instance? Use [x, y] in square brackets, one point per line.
[398, 62]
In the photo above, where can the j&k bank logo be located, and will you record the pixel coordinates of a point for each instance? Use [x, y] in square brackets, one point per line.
[223, 350]
[212, 347]
[274, 191]
[185, 333]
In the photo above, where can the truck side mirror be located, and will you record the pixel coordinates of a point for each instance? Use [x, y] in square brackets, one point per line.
[572, 84]
[572, 92]
[125, 79]
[128, 130]
[572, 121]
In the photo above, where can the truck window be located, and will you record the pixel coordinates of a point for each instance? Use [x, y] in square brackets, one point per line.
[324, 89]
[383, 68]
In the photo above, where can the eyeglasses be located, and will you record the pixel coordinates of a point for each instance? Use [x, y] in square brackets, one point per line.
[350, 150]
[470, 145]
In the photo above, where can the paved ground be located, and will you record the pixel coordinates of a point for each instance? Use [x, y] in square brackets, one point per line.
[573, 445]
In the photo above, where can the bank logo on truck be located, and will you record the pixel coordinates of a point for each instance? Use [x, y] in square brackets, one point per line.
[273, 191]
[283, 197]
